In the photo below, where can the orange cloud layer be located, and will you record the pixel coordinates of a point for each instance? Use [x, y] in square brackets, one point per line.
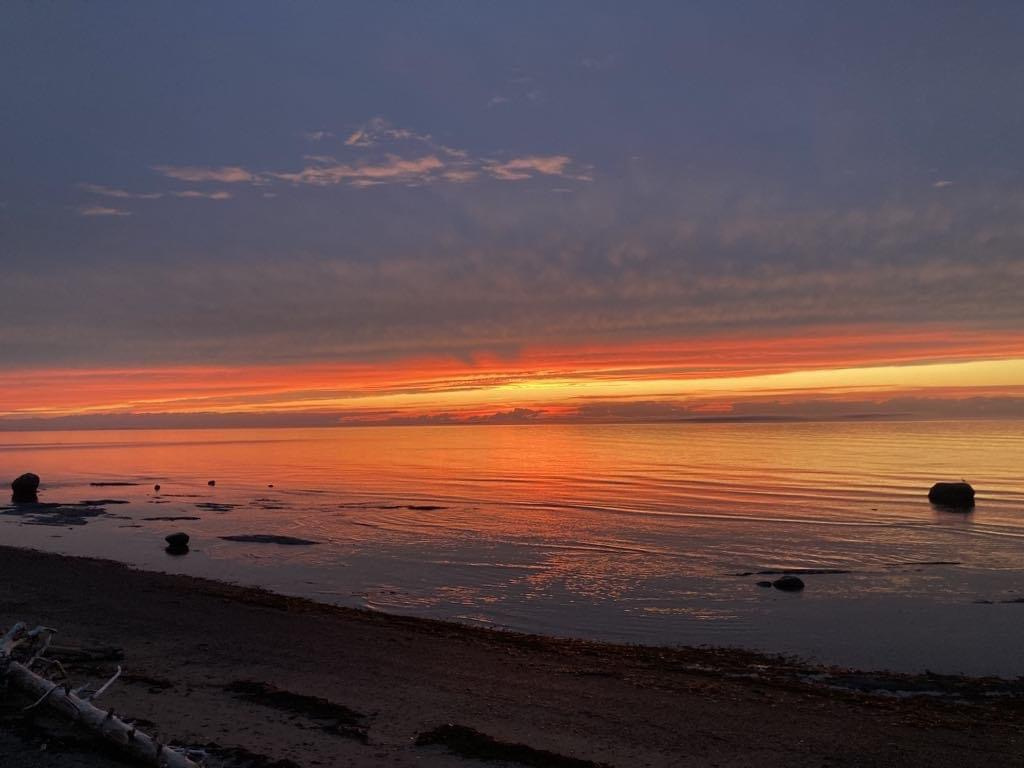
[713, 371]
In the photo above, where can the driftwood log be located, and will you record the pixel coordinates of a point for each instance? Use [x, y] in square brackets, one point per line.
[77, 704]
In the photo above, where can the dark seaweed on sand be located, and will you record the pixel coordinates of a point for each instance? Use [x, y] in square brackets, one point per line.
[340, 719]
[471, 743]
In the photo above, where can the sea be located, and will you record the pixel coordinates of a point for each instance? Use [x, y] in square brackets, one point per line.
[633, 533]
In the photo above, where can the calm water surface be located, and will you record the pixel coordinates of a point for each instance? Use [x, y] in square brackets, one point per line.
[636, 533]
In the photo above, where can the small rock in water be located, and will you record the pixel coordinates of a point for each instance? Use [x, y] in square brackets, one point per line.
[211, 482]
[270, 485]
[789, 583]
[156, 487]
[24, 489]
[956, 495]
[764, 583]
[177, 543]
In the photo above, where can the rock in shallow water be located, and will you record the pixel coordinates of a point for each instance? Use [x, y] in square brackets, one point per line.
[957, 495]
[789, 583]
[177, 543]
[24, 489]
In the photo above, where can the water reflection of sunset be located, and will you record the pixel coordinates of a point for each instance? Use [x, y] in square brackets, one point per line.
[632, 532]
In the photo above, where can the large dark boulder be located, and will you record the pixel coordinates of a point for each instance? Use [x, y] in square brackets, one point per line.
[25, 489]
[956, 495]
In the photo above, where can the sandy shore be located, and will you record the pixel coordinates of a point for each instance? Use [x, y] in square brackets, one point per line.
[290, 680]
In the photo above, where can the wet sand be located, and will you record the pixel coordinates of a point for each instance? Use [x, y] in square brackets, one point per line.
[287, 679]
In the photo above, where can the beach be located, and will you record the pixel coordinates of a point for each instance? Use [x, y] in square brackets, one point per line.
[207, 663]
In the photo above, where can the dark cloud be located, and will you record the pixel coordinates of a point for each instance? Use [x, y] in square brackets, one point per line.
[901, 265]
[781, 168]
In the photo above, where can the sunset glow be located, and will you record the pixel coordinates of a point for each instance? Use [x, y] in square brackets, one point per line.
[553, 383]
[697, 377]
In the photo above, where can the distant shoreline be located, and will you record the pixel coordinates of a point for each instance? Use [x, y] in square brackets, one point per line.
[26, 426]
[187, 641]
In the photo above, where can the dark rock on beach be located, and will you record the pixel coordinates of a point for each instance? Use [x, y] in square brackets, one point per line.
[789, 583]
[177, 543]
[25, 489]
[954, 495]
[764, 584]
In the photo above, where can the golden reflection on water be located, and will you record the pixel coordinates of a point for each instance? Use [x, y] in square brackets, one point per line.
[817, 471]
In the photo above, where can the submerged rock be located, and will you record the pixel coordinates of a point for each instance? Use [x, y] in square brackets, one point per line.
[53, 513]
[957, 495]
[764, 583]
[789, 583]
[266, 538]
[177, 543]
[25, 488]
[214, 506]
[211, 482]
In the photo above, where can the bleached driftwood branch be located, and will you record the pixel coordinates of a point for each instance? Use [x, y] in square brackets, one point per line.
[77, 704]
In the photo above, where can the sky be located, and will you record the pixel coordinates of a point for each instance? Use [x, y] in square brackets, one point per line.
[394, 212]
